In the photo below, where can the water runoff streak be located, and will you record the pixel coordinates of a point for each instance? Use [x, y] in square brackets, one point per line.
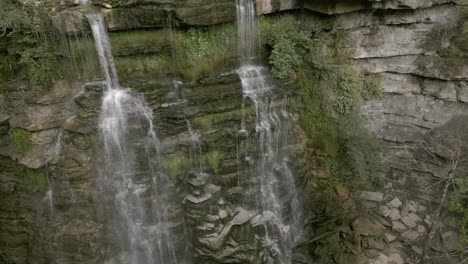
[132, 185]
[277, 195]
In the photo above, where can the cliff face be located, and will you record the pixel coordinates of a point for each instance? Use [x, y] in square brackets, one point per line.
[49, 145]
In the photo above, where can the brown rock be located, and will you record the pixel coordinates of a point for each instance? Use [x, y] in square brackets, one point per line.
[342, 191]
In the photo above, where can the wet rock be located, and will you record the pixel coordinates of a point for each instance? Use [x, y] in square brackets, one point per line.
[372, 196]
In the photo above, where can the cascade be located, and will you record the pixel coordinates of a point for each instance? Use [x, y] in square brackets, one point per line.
[132, 184]
[277, 195]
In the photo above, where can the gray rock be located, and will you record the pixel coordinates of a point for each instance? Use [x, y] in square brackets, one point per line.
[451, 241]
[349, 204]
[415, 217]
[421, 229]
[412, 206]
[410, 235]
[421, 208]
[404, 211]
[389, 237]
[394, 214]
[384, 211]
[428, 220]
[408, 222]
[372, 196]
[395, 203]
[398, 226]
[417, 250]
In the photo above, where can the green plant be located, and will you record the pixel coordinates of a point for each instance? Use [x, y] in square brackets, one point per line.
[22, 139]
[458, 207]
[212, 159]
[330, 90]
[177, 164]
[35, 177]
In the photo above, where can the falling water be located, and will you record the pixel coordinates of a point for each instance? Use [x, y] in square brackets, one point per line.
[277, 194]
[195, 147]
[130, 176]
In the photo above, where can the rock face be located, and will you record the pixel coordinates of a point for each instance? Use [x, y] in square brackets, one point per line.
[48, 138]
[48, 172]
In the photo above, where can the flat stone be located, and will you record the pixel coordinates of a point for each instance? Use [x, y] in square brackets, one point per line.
[417, 250]
[364, 226]
[415, 217]
[198, 199]
[349, 204]
[404, 211]
[342, 191]
[451, 241]
[398, 226]
[372, 196]
[389, 237]
[408, 222]
[410, 235]
[384, 211]
[421, 229]
[421, 208]
[391, 259]
[383, 221]
[395, 259]
[374, 243]
[394, 214]
[395, 203]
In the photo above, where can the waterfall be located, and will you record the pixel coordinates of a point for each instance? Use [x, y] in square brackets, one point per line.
[277, 195]
[132, 184]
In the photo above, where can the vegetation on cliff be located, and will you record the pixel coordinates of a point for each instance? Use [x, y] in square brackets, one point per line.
[330, 92]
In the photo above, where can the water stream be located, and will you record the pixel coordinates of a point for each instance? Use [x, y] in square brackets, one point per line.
[277, 195]
[133, 188]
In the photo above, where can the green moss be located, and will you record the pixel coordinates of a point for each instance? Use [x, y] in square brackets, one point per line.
[331, 91]
[458, 207]
[206, 122]
[212, 159]
[143, 66]
[176, 164]
[199, 52]
[22, 139]
[126, 39]
[35, 177]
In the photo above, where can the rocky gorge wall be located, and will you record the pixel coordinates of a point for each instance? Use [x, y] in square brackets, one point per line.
[48, 141]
